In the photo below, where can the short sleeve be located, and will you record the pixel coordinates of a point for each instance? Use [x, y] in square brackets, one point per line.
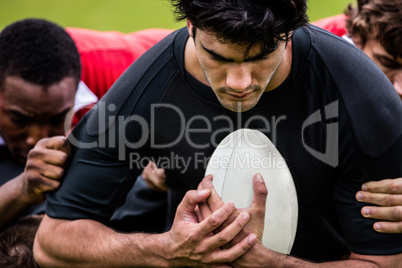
[96, 182]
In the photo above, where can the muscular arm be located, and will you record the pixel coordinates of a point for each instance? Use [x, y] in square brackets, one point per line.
[43, 170]
[86, 243]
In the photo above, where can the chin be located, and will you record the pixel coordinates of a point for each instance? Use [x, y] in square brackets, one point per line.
[238, 106]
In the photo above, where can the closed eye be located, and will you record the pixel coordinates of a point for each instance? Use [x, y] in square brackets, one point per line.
[389, 63]
[20, 119]
[218, 58]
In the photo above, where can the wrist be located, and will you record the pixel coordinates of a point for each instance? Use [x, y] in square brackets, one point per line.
[166, 250]
[260, 256]
[22, 192]
[156, 251]
[20, 189]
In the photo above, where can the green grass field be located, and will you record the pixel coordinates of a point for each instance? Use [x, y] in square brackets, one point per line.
[121, 15]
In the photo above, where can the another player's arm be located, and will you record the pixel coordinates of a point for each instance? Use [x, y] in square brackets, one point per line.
[43, 171]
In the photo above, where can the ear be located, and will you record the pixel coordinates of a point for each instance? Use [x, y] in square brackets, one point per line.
[190, 27]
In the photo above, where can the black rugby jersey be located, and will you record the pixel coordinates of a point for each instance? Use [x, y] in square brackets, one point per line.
[336, 120]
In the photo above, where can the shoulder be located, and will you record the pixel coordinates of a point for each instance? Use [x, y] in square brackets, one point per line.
[373, 108]
[131, 85]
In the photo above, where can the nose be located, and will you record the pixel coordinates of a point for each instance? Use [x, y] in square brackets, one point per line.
[37, 132]
[397, 82]
[238, 77]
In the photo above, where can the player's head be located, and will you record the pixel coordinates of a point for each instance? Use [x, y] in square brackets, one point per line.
[376, 27]
[240, 44]
[16, 243]
[253, 22]
[39, 73]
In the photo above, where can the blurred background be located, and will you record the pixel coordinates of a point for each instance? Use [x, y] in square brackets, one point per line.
[122, 15]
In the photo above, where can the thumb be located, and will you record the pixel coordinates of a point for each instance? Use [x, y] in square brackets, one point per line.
[260, 192]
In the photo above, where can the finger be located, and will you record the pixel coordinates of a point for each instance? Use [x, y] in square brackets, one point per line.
[202, 210]
[52, 172]
[160, 172]
[231, 254]
[150, 168]
[200, 186]
[390, 186]
[216, 219]
[258, 204]
[36, 165]
[42, 184]
[59, 143]
[207, 182]
[56, 158]
[214, 201]
[260, 192]
[147, 170]
[190, 201]
[379, 199]
[50, 156]
[388, 227]
[383, 213]
[157, 178]
[198, 213]
[205, 209]
[229, 232]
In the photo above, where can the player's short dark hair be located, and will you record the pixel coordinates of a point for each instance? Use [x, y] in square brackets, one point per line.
[245, 22]
[377, 19]
[39, 51]
[16, 243]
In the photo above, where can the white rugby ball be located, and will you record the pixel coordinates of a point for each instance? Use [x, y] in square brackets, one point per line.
[233, 164]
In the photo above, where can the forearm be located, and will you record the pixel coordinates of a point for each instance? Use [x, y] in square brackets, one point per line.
[262, 257]
[86, 243]
[289, 261]
[13, 202]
